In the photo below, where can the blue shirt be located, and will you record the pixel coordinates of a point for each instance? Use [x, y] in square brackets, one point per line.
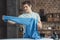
[31, 26]
[33, 15]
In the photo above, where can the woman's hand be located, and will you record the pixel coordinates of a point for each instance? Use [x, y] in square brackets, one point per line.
[3, 17]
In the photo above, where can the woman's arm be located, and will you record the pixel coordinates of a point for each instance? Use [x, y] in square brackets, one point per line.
[39, 25]
[10, 22]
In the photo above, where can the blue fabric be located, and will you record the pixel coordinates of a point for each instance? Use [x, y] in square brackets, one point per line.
[31, 26]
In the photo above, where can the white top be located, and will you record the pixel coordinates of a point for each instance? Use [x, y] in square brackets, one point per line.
[30, 15]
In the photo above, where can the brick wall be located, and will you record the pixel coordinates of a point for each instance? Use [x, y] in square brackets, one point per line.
[50, 6]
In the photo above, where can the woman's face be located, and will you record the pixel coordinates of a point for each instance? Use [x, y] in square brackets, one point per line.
[26, 8]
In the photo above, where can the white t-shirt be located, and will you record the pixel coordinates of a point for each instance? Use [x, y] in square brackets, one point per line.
[30, 15]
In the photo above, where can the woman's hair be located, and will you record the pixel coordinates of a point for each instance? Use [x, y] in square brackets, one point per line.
[26, 2]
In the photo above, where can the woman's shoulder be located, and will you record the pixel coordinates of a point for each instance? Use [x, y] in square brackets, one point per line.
[21, 15]
[35, 13]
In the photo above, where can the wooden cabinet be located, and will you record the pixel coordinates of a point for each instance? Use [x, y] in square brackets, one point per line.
[53, 17]
[56, 17]
[49, 17]
[49, 27]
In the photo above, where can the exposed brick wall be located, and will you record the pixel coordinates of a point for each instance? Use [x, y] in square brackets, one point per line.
[50, 6]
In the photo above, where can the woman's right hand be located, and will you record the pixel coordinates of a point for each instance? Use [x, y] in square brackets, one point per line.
[3, 17]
